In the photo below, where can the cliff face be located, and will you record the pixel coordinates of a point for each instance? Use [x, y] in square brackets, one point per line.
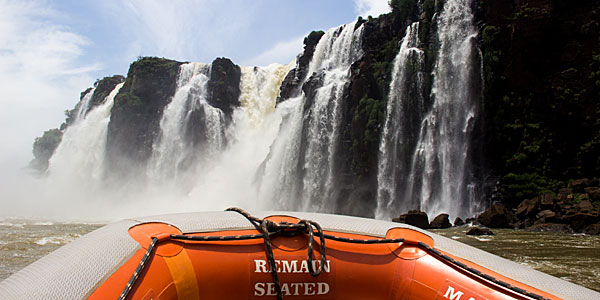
[136, 114]
[542, 63]
[45, 145]
[537, 124]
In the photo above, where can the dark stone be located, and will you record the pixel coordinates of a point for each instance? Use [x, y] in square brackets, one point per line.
[528, 208]
[593, 192]
[497, 216]
[546, 216]
[290, 85]
[593, 229]
[472, 221]
[459, 222]
[479, 231]
[579, 185]
[224, 85]
[585, 206]
[135, 118]
[103, 89]
[415, 218]
[578, 221]
[547, 201]
[549, 227]
[440, 221]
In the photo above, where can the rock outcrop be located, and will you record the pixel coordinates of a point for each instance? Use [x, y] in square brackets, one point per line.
[224, 85]
[136, 114]
[415, 218]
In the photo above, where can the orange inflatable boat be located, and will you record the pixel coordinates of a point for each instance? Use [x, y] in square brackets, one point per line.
[281, 255]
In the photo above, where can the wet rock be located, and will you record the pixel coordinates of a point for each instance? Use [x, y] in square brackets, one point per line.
[479, 231]
[472, 221]
[290, 86]
[415, 218]
[546, 216]
[497, 216]
[459, 222]
[585, 206]
[549, 227]
[547, 201]
[224, 85]
[579, 185]
[440, 221]
[528, 208]
[579, 221]
[593, 229]
[593, 192]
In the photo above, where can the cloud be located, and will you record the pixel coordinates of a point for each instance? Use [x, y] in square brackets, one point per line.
[40, 75]
[176, 29]
[282, 52]
[372, 8]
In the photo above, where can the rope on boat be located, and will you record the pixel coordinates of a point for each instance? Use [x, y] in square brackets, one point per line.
[138, 270]
[268, 229]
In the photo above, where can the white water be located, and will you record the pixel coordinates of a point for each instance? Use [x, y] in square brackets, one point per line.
[407, 82]
[76, 168]
[173, 157]
[223, 174]
[440, 171]
[426, 165]
[300, 170]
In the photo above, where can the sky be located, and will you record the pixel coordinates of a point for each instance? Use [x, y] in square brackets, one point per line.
[51, 51]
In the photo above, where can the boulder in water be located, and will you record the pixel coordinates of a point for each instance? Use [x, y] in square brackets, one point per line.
[528, 208]
[459, 222]
[415, 218]
[549, 227]
[479, 231]
[497, 216]
[440, 221]
[593, 229]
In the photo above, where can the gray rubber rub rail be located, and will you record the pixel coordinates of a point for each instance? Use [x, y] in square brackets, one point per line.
[75, 270]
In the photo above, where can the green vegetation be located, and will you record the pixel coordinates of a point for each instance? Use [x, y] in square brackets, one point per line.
[403, 8]
[542, 86]
[128, 100]
[43, 148]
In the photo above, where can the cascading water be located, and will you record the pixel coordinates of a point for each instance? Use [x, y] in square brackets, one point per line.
[405, 102]
[299, 172]
[287, 156]
[440, 172]
[84, 106]
[425, 160]
[77, 163]
[230, 179]
[174, 155]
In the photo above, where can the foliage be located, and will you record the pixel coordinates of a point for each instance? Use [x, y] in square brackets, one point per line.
[127, 99]
[402, 8]
[517, 187]
[44, 146]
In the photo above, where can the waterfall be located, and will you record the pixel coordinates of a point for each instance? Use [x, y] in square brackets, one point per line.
[230, 179]
[78, 160]
[174, 156]
[405, 102]
[440, 171]
[301, 166]
[84, 106]
[428, 166]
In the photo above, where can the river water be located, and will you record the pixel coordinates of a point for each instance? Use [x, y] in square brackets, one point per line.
[575, 258]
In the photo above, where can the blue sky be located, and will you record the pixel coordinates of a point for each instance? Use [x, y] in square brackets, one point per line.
[52, 50]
